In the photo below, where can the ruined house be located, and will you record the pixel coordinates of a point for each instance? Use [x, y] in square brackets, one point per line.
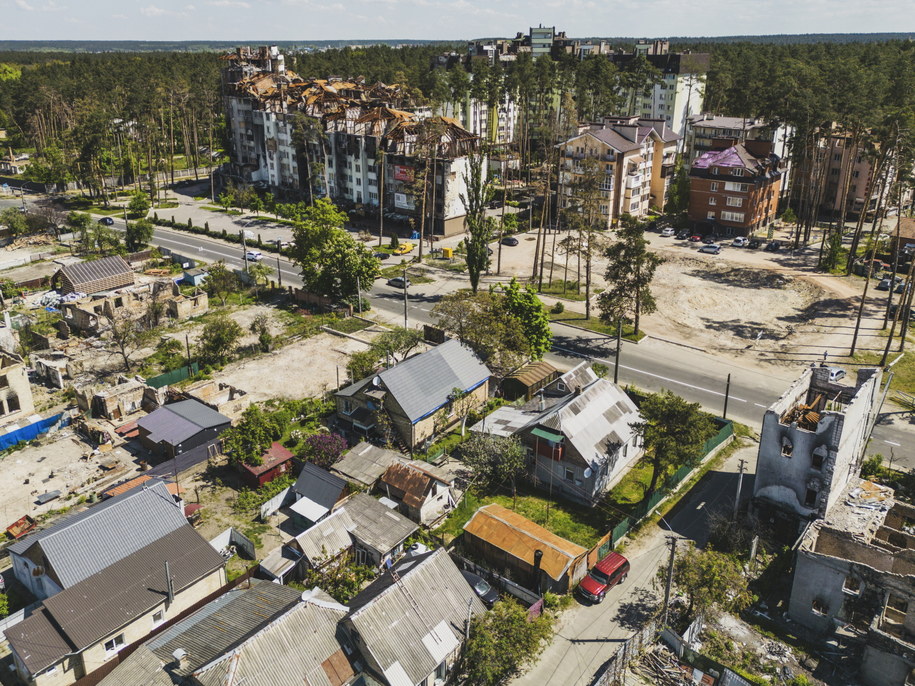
[222, 397]
[855, 575]
[55, 368]
[15, 390]
[118, 401]
[812, 442]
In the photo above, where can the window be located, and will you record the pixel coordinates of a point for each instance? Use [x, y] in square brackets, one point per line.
[113, 645]
[787, 447]
[736, 217]
[837, 156]
[737, 172]
[819, 606]
[158, 618]
[736, 187]
[810, 498]
[714, 186]
[710, 215]
[852, 585]
[735, 202]
[570, 475]
[713, 200]
[12, 402]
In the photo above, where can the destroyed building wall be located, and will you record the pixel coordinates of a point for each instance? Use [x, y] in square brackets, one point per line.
[15, 391]
[55, 368]
[812, 442]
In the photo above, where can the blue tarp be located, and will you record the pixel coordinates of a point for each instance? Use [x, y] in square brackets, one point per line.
[30, 432]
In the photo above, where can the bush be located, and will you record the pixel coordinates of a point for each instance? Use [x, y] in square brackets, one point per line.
[206, 227]
[872, 466]
[558, 308]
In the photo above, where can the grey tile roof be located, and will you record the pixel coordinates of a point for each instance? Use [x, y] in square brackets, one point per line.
[365, 463]
[304, 646]
[88, 542]
[423, 383]
[319, 485]
[82, 273]
[97, 606]
[177, 422]
[225, 623]
[409, 642]
[376, 526]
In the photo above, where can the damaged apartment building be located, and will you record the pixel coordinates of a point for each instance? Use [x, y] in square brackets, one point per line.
[811, 445]
[373, 146]
[854, 582]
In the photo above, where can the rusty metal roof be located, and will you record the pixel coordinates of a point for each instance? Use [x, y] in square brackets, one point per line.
[534, 372]
[520, 537]
[414, 483]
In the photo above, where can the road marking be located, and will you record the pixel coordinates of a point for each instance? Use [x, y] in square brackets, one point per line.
[892, 443]
[760, 405]
[700, 505]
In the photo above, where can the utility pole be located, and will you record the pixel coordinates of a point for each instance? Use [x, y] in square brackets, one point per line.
[727, 395]
[279, 272]
[406, 323]
[244, 249]
[672, 542]
[743, 464]
[358, 295]
[619, 340]
[190, 365]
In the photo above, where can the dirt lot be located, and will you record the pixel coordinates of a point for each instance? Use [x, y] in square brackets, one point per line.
[62, 462]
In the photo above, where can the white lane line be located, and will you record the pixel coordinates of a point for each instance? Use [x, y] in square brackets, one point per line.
[657, 376]
[760, 405]
[892, 443]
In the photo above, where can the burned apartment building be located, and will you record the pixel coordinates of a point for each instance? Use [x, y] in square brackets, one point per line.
[854, 582]
[363, 146]
[811, 445]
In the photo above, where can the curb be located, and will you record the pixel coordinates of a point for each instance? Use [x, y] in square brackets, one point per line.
[334, 332]
[682, 345]
[596, 333]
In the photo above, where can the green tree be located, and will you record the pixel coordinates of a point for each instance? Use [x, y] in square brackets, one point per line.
[493, 459]
[4, 605]
[139, 204]
[479, 226]
[524, 305]
[260, 274]
[14, 220]
[256, 204]
[502, 641]
[399, 341]
[340, 578]
[127, 335]
[247, 441]
[105, 240]
[678, 193]
[712, 581]
[630, 270]
[221, 281]
[261, 326]
[673, 433]
[362, 364]
[81, 224]
[219, 340]
[138, 234]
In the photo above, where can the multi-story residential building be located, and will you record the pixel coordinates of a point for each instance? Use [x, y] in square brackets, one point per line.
[811, 445]
[734, 191]
[368, 142]
[705, 132]
[637, 156]
[679, 93]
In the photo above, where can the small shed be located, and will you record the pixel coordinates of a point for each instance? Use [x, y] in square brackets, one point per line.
[195, 276]
[364, 463]
[508, 542]
[525, 382]
[316, 493]
[276, 461]
[93, 276]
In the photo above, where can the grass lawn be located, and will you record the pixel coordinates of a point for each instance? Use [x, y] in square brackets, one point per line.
[349, 325]
[581, 525]
[454, 265]
[166, 205]
[903, 371]
[214, 208]
[594, 324]
[568, 289]
[299, 322]
[415, 276]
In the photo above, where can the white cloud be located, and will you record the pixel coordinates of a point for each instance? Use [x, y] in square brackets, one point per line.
[23, 5]
[153, 11]
[229, 3]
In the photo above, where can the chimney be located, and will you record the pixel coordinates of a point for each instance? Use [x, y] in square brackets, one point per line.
[180, 656]
[170, 585]
[538, 556]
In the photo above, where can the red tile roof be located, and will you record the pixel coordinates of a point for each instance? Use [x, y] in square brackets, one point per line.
[274, 456]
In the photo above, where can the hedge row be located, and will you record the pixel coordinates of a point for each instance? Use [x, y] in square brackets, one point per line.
[221, 235]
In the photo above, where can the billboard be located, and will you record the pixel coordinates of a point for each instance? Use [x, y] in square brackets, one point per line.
[403, 201]
[403, 173]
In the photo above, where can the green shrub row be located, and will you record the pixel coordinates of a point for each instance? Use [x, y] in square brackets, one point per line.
[221, 234]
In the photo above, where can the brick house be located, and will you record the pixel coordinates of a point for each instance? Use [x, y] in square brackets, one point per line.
[734, 191]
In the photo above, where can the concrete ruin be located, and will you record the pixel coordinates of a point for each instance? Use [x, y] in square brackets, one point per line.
[812, 442]
[225, 399]
[56, 368]
[15, 391]
[116, 402]
[855, 579]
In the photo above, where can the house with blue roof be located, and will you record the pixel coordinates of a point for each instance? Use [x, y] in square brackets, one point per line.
[418, 397]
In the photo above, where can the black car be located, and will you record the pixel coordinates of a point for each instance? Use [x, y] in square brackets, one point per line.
[754, 244]
[382, 255]
[709, 238]
[510, 240]
[481, 587]
[107, 221]
[682, 234]
[774, 246]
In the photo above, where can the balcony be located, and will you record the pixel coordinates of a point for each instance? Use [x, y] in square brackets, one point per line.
[633, 181]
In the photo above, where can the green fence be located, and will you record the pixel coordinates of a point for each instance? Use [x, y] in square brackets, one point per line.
[173, 376]
[725, 431]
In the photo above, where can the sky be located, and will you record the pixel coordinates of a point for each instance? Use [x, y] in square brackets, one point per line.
[253, 21]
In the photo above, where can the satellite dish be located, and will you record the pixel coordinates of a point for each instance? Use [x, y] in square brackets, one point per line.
[376, 381]
[588, 473]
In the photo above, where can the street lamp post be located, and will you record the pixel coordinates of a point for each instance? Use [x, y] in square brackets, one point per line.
[406, 323]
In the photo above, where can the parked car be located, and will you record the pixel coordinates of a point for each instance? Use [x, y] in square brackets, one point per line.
[606, 574]
[774, 246]
[382, 255]
[399, 282]
[682, 234]
[107, 221]
[901, 287]
[510, 240]
[889, 282]
[709, 238]
[711, 249]
[754, 244]
[836, 374]
[669, 232]
[403, 248]
[481, 587]
[740, 242]
[253, 256]
[695, 239]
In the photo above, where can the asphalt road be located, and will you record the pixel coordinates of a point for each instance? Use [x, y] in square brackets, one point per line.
[652, 364]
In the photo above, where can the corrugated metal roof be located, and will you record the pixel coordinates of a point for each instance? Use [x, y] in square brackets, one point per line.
[301, 647]
[374, 525]
[96, 607]
[88, 542]
[328, 538]
[83, 273]
[276, 454]
[505, 421]
[177, 422]
[411, 639]
[423, 383]
[365, 463]
[37, 642]
[319, 485]
[534, 372]
[520, 537]
[414, 483]
[142, 668]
